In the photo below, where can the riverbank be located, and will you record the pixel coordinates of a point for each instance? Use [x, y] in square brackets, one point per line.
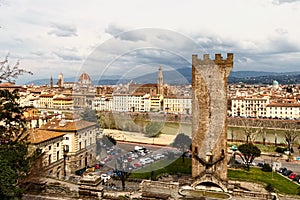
[137, 137]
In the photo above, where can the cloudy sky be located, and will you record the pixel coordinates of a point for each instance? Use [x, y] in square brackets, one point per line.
[130, 38]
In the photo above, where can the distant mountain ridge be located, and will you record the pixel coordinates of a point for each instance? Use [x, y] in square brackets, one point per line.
[184, 76]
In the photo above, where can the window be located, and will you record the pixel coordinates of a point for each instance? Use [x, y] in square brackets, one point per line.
[49, 159]
[49, 148]
[57, 144]
[79, 145]
[57, 155]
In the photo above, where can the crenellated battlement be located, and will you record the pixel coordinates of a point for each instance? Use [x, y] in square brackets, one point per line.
[228, 62]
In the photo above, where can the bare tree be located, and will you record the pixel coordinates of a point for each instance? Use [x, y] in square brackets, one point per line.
[290, 135]
[8, 72]
[274, 124]
[252, 128]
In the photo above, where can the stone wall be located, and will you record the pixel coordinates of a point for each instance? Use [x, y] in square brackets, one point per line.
[209, 126]
[160, 189]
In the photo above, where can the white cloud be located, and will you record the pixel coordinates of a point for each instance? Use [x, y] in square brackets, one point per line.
[60, 35]
[61, 30]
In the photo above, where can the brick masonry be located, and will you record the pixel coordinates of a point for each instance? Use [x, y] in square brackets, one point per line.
[209, 121]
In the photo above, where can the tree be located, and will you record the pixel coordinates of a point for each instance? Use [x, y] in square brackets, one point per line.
[290, 135]
[252, 128]
[89, 115]
[123, 176]
[16, 161]
[153, 129]
[248, 153]
[8, 72]
[182, 142]
[109, 141]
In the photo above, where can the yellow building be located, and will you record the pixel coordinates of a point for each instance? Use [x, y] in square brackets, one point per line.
[63, 103]
[46, 100]
[156, 103]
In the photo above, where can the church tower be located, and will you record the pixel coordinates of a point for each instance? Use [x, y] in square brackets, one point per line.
[51, 82]
[160, 84]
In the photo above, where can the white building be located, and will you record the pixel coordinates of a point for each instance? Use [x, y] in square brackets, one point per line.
[102, 103]
[178, 104]
[135, 102]
[284, 110]
[120, 102]
[255, 106]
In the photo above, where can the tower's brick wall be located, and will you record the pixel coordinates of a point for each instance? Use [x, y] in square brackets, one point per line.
[209, 127]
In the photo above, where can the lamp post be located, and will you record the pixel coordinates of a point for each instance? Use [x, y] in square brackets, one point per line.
[66, 150]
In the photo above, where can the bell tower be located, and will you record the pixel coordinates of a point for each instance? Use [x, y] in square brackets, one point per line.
[160, 84]
[209, 121]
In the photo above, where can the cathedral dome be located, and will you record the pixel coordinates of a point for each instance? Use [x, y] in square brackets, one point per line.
[84, 79]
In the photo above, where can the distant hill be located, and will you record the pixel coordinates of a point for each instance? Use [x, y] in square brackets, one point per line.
[184, 75]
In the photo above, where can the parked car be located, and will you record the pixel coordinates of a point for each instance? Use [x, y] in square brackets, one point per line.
[260, 164]
[287, 172]
[282, 170]
[148, 160]
[297, 178]
[292, 175]
[137, 164]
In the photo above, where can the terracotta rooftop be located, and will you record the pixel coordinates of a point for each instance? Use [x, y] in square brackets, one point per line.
[47, 95]
[177, 97]
[63, 98]
[63, 125]
[284, 105]
[38, 136]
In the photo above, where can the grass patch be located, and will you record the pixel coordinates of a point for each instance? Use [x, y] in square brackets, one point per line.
[266, 148]
[262, 148]
[279, 183]
[165, 166]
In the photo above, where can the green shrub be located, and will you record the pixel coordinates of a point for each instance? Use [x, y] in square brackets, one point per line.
[266, 168]
[269, 188]
[280, 150]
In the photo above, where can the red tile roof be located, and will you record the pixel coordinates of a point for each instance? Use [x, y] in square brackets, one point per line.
[38, 136]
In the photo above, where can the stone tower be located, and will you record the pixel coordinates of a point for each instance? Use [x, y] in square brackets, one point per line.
[51, 82]
[160, 84]
[209, 129]
[60, 81]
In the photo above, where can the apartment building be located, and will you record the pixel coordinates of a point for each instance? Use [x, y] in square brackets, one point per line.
[156, 103]
[63, 103]
[120, 102]
[46, 100]
[254, 106]
[178, 104]
[103, 103]
[283, 110]
[51, 145]
[79, 141]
